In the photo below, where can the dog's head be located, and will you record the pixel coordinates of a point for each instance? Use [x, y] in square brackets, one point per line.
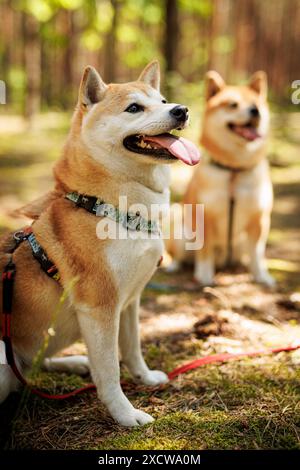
[132, 120]
[236, 117]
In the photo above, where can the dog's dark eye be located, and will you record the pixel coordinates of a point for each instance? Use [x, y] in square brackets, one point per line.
[134, 108]
[164, 101]
[233, 105]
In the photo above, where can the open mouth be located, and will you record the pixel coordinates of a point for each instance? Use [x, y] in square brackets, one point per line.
[247, 131]
[163, 146]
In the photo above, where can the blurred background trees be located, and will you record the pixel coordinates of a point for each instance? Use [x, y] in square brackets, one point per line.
[44, 44]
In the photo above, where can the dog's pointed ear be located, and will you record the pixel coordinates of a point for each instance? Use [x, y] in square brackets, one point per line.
[34, 209]
[92, 87]
[259, 83]
[214, 84]
[151, 75]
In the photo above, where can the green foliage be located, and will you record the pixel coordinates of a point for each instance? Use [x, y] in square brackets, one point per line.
[91, 40]
[104, 16]
[203, 8]
[16, 85]
[223, 44]
[42, 10]
[136, 32]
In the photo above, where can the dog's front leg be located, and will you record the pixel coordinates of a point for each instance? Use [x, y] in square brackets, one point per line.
[204, 270]
[130, 347]
[258, 231]
[100, 331]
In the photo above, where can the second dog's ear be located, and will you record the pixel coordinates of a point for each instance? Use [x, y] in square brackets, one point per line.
[92, 87]
[214, 83]
[259, 83]
[151, 75]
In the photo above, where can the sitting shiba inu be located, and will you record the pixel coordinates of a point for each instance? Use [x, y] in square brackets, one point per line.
[232, 182]
[119, 145]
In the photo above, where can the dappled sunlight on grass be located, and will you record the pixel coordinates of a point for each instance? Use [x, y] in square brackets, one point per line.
[253, 405]
[283, 265]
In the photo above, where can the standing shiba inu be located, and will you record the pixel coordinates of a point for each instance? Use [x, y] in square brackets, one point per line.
[233, 181]
[118, 145]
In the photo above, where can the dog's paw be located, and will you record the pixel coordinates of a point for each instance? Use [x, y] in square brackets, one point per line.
[154, 377]
[133, 417]
[265, 279]
[80, 368]
[204, 274]
[204, 280]
[78, 365]
[173, 267]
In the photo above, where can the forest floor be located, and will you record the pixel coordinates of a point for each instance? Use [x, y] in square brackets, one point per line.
[245, 404]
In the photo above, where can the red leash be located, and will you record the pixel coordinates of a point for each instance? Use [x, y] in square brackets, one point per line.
[224, 357]
[8, 283]
[175, 372]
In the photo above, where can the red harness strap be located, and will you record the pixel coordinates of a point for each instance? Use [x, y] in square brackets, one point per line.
[7, 293]
[8, 276]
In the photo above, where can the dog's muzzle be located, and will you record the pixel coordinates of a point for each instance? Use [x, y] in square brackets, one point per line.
[180, 113]
[254, 112]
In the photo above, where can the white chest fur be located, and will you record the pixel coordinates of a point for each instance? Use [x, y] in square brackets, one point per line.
[132, 261]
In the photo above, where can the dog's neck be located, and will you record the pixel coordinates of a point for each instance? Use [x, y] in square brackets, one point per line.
[242, 159]
[140, 183]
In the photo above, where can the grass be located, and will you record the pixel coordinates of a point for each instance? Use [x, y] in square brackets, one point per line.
[247, 404]
[250, 405]
[225, 414]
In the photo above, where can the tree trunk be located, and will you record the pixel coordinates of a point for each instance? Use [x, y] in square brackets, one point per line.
[171, 35]
[8, 43]
[171, 40]
[220, 27]
[110, 54]
[32, 66]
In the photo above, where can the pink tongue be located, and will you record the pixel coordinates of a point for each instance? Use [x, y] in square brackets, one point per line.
[181, 148]
[249, 133]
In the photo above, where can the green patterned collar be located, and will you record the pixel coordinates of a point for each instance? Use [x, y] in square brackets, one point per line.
[129, 220]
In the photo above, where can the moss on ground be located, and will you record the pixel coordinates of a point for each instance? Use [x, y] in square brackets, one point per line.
[252, 404]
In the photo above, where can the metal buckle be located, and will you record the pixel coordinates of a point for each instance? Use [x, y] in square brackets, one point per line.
[18, 236]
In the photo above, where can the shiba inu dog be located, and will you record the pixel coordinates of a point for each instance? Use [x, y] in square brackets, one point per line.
[232, 182]
[119, 145]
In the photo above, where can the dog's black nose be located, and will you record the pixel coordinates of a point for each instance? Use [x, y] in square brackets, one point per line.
[180, 113]
[253, 110]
